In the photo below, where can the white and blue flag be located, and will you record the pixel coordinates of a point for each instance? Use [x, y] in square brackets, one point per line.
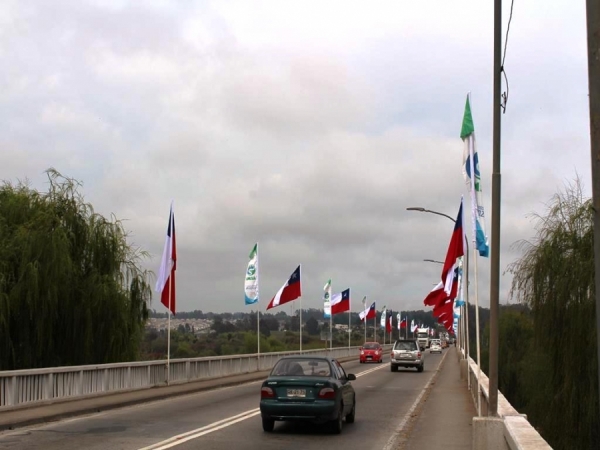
[473, 179]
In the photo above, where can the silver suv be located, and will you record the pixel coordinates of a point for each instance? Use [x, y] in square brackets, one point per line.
[406, 353]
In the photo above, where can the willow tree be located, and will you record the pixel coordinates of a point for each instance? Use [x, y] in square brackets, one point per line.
[72, 291]
[555, 277]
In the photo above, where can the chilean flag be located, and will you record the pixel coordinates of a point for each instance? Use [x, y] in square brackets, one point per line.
[165, 284]
[291, 290]
[388, 324]
[456, 249]
[340, 302]
[368, 313]
[402, 323]
[438, 295]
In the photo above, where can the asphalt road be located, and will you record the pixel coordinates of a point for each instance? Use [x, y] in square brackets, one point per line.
[228, 419]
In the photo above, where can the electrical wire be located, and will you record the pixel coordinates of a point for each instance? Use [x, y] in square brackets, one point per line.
[505, 94]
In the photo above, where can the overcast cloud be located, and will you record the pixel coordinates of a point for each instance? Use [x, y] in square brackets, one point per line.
[306, 126]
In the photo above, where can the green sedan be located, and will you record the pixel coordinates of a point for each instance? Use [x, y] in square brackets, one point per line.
[308, 388]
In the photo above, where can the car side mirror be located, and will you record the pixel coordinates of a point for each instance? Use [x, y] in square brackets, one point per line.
[351, 377]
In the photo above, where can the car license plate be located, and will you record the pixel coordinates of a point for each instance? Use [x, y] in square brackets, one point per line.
[296, 392]
[405, 356]
[368, 357]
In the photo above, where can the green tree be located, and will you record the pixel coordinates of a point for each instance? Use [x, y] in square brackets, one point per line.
[71, 288]
[312, 326]
[555, 278]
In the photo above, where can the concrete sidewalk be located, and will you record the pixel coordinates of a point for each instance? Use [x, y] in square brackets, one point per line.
[444, 418]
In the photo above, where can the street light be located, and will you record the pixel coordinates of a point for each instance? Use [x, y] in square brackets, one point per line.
[420, 209]
[433, 261]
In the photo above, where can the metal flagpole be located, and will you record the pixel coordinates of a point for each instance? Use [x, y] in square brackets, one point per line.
[169, 332]
[257, 310]
[330, 320]
[365, 307]
[375, 338]
[300, 298]
[349, 315]
[300, 324]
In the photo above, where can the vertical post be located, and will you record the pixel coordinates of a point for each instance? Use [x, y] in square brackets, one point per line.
[593, 41]
[477, 337]
[495, 244]
[349, 329]
[300, 324]
[257, 311]
[169, 334]
[258, 337]
[330, 329]
[365, 307]
[375, 338]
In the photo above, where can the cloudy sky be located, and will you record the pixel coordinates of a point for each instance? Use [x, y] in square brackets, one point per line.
[308, 126]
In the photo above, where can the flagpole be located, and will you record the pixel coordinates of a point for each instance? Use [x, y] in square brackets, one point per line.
[365, 307]
[257, 309]
[300, 324]
[375, 338]
[474, 214]
[169, 333]
[300, 311]
[349, 315]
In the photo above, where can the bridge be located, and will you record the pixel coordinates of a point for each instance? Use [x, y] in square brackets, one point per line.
[215, 400]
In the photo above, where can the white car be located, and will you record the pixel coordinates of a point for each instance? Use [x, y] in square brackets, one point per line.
[436, 346]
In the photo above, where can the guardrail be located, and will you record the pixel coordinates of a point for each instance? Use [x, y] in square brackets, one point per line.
[510, 430]
[25, 388]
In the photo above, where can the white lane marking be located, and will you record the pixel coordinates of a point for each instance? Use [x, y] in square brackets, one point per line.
[181, 438]
[391, 443]
[199, 432]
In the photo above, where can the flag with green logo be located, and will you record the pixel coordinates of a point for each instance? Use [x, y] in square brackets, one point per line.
[473, 179]
[251, 283]
[327, 300]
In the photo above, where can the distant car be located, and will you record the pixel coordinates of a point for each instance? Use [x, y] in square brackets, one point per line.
[308, 388]
[436, 346]
[371, 352]
[406, 353]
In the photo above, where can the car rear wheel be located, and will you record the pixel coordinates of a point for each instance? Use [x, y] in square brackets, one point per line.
[420, 368]
[350, 417]
[336, 425]
[268, 424]
[394, 368]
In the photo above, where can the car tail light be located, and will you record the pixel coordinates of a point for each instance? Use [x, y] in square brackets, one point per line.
[419, 355]
[327, 393]
[267, 392]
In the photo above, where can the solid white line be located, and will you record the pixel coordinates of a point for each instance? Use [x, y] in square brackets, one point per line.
[181, 438]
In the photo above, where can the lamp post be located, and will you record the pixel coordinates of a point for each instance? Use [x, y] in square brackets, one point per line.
[425, 210]
[433, 261]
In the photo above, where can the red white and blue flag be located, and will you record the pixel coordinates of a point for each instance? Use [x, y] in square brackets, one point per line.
[165, 284]
[368, 313]
[290, 291]
[456, 249]
[340, 302]
[388, 327]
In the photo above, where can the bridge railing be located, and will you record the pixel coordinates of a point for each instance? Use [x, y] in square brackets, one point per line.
[25, 388]
[510, 430]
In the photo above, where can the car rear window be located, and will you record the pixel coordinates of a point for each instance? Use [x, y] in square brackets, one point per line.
[405, 345]
[302, 367]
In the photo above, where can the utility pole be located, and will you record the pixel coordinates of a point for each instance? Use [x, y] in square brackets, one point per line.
[495, 247]
[593, 41]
